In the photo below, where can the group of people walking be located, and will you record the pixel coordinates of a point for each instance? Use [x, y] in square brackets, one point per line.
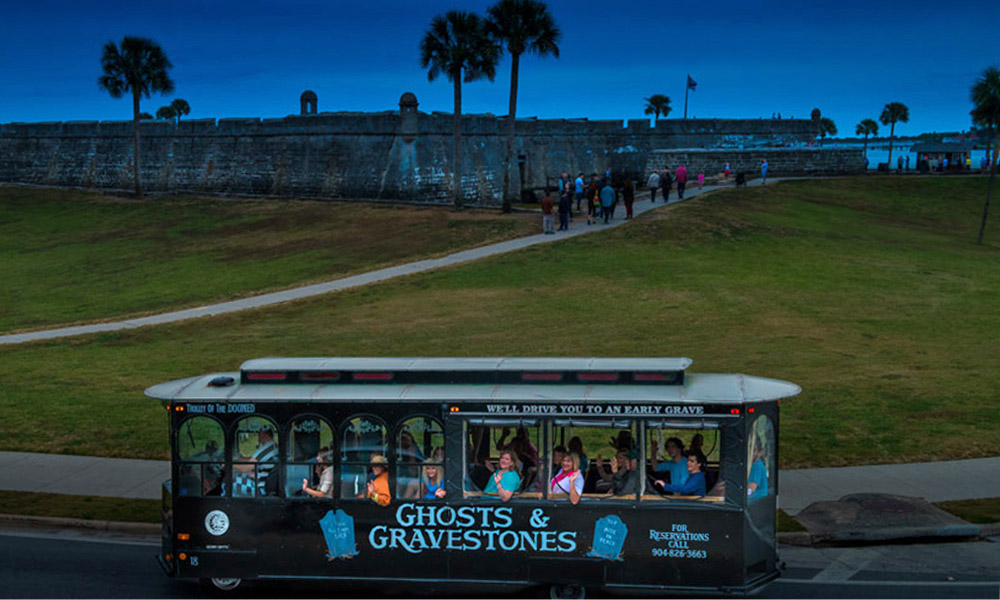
[601, 196]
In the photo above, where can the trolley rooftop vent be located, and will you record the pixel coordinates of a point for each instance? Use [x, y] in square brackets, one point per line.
[486, 371]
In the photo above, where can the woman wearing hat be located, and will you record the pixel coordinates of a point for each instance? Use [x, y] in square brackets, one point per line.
[378, 488]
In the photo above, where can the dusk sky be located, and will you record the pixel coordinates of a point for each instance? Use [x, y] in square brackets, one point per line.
[750, 59]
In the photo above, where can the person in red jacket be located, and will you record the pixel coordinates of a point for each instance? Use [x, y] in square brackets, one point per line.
[681, 177]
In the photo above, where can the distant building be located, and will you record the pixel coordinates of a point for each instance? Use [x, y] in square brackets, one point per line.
[936, 152]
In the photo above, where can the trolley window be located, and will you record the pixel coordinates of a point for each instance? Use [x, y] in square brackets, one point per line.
[255, 458]
[420, 459]
[309, 463]
[684, 461]
[201, 450]
[488, 472]
[364, 439]
[605, 452]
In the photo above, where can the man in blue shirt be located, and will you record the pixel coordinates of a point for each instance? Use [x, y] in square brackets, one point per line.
[607, 200]
[675, 464]
[578, 183]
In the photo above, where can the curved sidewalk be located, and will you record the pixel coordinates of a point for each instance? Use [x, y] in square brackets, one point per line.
[798, 488]
[641, 205]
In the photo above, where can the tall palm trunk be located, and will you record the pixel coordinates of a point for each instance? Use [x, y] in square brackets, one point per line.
[865, 151]
[511, 118]
[135, 144]
[456, 126]
[892, 133]
[989, 190]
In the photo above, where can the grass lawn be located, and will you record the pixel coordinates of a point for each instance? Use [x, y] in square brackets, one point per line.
[96, 508]
[70, 256]
[870, 293]
[982, 510]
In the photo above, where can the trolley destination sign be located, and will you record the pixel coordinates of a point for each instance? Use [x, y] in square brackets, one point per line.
[595, 409]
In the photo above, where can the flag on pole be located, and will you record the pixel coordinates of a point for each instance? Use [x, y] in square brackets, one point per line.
[692, 84]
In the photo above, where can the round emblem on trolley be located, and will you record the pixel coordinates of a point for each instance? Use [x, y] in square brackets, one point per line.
[217, 522]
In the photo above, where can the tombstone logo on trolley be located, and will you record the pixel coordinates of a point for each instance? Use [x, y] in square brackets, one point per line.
[609, 538]
[338, 530]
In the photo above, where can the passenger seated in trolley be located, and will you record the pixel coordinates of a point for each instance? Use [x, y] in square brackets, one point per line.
[526, 452]
[695, 484]
[757, 479]
[324, 468]
[623, 479]
[675, 463]
[506, 481]
[568, 480]
[254, 472]
[378, 487]
[431, 484]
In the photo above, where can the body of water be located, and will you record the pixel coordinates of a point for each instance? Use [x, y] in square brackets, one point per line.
[879, 153]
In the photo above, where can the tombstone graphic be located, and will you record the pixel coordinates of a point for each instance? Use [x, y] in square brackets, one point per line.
[609, 537]
[338, 529]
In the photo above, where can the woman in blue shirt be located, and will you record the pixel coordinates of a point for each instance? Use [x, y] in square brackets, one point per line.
[507, 480]
[695, 483]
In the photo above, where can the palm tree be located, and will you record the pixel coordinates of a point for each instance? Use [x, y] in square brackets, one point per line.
[866, 127]
[139, 66]
[893, 112]
[658, 104]
[166, 112]
[826, 127]
[985, 95]
[457, 45]
[524, 26]
[181, 108]
[816, 115]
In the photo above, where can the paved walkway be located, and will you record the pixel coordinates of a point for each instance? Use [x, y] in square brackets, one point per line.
[579, 227]
[131, 478]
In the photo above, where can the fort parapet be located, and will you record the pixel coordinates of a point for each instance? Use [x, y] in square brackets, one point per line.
[400, 155]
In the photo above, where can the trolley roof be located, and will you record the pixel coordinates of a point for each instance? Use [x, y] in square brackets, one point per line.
[389, 380]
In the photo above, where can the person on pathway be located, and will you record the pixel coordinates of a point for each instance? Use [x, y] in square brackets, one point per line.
[701, 180]
[726, 171]
[763, 172]
[666, 182]
[593, 201]
[681, 177]
[628, 191]
[607, 200]
[548, 218]
[907, 162]
[899, 164]
[565, 206]
[944, 164]
[653, 183]
[578, 189]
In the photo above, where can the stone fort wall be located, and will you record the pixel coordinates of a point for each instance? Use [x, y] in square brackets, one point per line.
[394, 155]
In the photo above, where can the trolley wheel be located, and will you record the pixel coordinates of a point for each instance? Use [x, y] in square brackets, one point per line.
[567, 591]
[223, 584]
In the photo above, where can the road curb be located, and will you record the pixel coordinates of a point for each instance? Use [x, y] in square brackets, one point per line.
[86, 524]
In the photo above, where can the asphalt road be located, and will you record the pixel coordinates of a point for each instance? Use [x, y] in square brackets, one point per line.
[71, 564]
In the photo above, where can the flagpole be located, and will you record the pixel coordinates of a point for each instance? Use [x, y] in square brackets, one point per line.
[686, 88]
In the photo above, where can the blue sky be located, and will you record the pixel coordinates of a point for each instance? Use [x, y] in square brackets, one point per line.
[750, 59]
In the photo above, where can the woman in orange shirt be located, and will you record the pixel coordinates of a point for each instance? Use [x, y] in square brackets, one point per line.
[378, 489]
